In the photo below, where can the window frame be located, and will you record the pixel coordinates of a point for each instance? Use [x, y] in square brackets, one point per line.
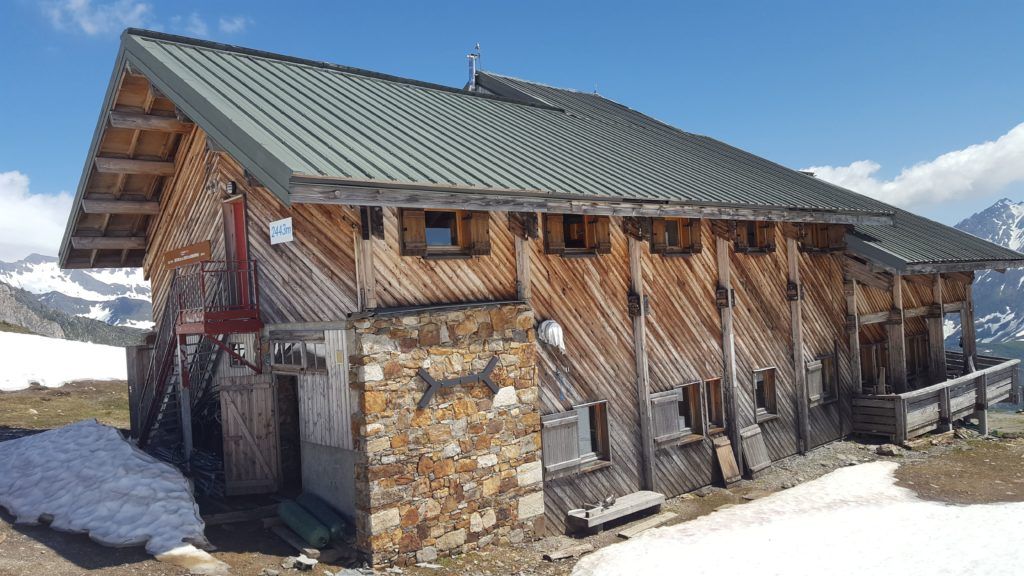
[822, 238]
[714, 403]
[690, 394]
[239, 348]
[771, 395]
[596, 235]
[597, 411]
[762, 232]
[300, 348]
[828, 374]
[690, 228]
[471, 227]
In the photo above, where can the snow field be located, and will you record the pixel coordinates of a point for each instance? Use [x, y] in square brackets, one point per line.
[52, 362]
[853, 521]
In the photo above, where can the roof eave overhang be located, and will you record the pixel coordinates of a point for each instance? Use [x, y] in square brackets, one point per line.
[313, 189]
[896, 265]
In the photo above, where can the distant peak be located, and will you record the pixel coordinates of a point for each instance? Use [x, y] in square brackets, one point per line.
[38, 258]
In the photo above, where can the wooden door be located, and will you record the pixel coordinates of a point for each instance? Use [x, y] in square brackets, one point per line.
[236, 250]
[248, 407]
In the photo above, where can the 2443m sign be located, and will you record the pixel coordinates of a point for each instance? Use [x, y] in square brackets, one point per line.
[281, 231]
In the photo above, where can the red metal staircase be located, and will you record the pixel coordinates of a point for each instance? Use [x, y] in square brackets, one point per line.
[207, 302]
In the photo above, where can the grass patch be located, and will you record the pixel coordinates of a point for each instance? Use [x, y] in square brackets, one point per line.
[45, 408]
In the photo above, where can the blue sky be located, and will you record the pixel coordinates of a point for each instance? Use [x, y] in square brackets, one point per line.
[860, 90]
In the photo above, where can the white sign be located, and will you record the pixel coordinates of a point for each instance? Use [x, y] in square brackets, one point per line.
[281, 231]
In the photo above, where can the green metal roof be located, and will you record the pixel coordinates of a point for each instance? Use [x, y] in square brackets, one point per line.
[284, 118]
[912, 243]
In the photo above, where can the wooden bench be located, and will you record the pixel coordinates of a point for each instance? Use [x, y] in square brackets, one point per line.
[593, 519]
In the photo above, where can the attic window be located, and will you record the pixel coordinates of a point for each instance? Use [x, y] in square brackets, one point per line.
[444, 233]
[576, 234]
[675, 236]
[822, 238]
[754, 236]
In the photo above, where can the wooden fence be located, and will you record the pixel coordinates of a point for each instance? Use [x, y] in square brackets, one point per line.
[903, 416]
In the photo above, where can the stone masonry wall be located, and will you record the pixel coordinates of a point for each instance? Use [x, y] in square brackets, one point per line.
[466, 470]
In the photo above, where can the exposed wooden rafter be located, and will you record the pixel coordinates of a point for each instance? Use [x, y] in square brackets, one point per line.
[146, 207]
[141, 121]
[133, 166]
[108, 242]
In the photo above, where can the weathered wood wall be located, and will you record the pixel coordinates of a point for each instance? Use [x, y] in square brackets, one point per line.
[763, 340]
[684, 344]
[824, 332]
[588, 298]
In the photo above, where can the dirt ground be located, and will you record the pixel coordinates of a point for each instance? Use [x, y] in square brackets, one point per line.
[38, 408]
[943, 468]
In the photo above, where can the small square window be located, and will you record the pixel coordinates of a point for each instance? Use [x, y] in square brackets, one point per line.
[239, 350]
[576, 234]
[675, 236]
[592, 431]
[316, 356]
[442, 229]
[677, 413]
[822, 238]
[288, 354]
[765, 400]
[754, 236]
[575, 231]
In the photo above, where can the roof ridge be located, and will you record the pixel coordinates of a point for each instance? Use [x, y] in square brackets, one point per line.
[210, 44]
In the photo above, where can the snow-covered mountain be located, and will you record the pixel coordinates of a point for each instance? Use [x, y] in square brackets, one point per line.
[120, 297]
[999, 296]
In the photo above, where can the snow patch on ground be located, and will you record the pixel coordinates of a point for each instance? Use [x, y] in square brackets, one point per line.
[140, 324]
[53, 362]
[92, 481]
[853, 521]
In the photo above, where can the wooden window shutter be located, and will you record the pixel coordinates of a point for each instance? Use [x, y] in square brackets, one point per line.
[560, 441]
[602, 234]
[813, 378]
[414, 232]
[554, 234]
[696, 244]
[766, 235]
[479, 226]
[836, 237]
[665, 414]
[658, 239]
[740, 235]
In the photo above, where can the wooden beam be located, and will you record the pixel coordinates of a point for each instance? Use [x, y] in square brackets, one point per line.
[967, 327]
[131, 166]
[797, 328]
[853, 335]
[894, 330]
[522, 268]
[936, 344]
[867, 274]
[108, 242]
[366, 277]
[873, 317]
[643, 386]
[151, 122]
[730, 386]
[144, 207]
[413, 195]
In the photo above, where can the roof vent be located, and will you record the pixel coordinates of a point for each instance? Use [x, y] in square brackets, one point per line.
[474, 60]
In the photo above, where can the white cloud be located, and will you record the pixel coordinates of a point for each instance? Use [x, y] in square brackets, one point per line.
[196, 26]
[233, 25]
[977, 170]
[98, 18]
[29, 222]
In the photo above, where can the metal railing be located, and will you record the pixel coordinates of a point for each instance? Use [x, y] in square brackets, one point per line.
[216, 289]
[161, 366]
[910, 414]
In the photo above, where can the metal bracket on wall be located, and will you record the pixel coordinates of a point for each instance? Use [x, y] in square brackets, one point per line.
[435, 385]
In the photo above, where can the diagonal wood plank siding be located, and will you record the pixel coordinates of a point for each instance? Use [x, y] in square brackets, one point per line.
[587, 296]
[824, 331]
[763, 340]
[684, 343]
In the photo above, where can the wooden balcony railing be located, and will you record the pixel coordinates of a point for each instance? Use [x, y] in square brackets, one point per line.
[903, 416]
[218, 297]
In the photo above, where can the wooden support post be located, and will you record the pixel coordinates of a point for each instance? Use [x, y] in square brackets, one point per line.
[184, 399]
[945, 411]
[522, 268]
[796, 325]
[981, 403]
[643, 389]
[897, 352]
[366, 277]
[853, 331]
[967, 330]
[936, 344]
[729, 384]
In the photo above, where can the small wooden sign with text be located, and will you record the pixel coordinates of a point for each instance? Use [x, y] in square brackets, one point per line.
[198, 252]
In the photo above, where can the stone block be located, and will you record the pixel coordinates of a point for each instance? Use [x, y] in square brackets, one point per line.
[384, 520]
[452, 539]
[505, 397]
[531, 505]
[369, 373]
[529, 473]
[487, 460]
